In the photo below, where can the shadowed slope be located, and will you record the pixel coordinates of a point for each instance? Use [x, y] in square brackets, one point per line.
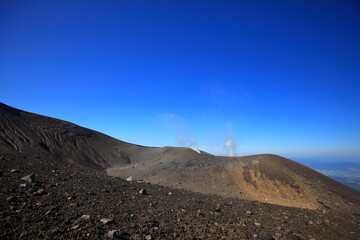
[33, 134]
[266, 178]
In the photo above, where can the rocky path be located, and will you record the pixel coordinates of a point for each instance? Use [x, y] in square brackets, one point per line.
[64, 202]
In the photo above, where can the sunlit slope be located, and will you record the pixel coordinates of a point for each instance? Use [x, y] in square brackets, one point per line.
[266, 178]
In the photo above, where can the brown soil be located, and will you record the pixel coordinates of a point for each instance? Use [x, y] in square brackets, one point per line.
[267, 178]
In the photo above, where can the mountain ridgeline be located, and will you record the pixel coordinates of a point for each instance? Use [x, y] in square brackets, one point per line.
[265, 177]
[36, 135]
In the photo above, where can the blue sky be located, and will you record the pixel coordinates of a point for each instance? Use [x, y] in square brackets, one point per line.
[277, 77]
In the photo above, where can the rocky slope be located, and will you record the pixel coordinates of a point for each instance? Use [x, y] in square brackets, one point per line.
[65, 202]
[267, 178]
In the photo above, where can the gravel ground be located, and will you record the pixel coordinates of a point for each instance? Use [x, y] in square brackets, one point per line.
[65, 202]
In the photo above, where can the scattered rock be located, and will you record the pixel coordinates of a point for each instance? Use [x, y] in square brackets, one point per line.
[14, 170]
[106, 221]
[10, 199]
[75, 227]
[85, 217]
[218, 208]
[112, 234]
[39, 192]
[29, 178]
[129, 179]
[265, 236]
[47, 213]
[26, 209]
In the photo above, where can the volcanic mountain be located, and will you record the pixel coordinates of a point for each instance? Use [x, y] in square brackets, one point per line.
[265, 177]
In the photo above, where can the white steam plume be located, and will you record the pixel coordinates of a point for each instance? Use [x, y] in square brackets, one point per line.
[193, 144]
[180, 140]
[230, 147]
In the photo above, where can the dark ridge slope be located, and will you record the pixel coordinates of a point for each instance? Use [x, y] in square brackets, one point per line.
[33, 134]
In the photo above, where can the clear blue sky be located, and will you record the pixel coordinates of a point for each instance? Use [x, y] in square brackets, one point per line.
[277, 77]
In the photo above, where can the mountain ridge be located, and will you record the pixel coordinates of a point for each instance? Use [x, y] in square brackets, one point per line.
[264, 177]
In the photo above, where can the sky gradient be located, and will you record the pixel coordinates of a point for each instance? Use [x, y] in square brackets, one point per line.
[278, 77]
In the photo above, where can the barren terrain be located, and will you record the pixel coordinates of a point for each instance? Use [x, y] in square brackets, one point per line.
[175, 193]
